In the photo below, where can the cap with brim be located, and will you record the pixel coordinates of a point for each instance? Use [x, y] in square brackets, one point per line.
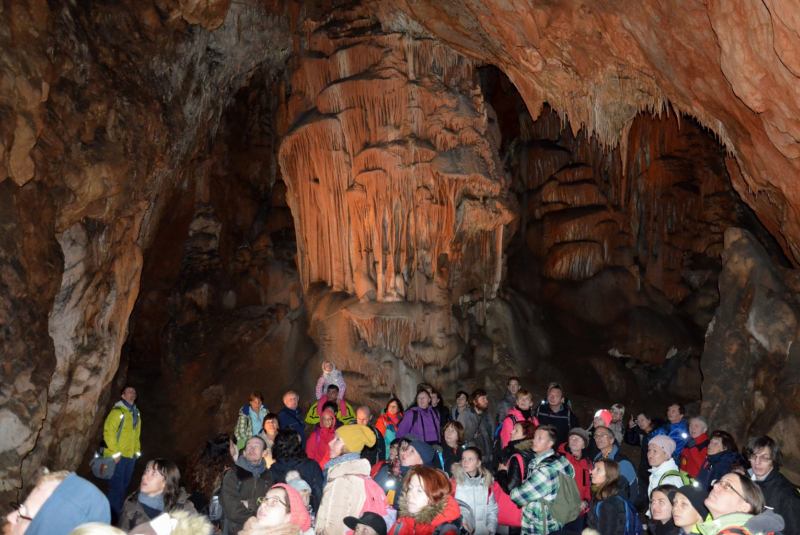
[372, 520]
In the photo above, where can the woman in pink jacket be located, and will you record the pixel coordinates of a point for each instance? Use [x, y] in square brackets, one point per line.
[521, 411]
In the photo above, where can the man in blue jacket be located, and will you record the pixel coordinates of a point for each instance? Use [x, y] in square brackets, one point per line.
[676, 429]
[58, 503]
[290, 416]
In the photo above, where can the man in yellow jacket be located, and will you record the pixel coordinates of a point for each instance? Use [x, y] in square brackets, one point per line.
[121, 433]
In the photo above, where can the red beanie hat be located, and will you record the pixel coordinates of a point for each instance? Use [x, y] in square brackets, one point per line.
[299, 513]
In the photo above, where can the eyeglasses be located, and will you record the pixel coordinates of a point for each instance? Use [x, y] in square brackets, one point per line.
[760, 458]
[727, 486]
[270, 501]
[19, 507]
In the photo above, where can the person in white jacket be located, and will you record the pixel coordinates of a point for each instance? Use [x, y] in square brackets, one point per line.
[663, 469]
[473, 486]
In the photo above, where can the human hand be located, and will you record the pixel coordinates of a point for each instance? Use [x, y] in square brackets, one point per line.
[116, 459]
[501, 466]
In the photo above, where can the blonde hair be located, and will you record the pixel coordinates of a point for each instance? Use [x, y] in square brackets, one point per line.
[44, 475]
[96, 528]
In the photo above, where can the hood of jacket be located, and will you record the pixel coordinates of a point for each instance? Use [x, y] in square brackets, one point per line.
[446, 510]
[358, 467]
[75, 501]
[712, 527]
[725, 455]
[462, 478]
[523, 445]
[767, 522]
[333, 367]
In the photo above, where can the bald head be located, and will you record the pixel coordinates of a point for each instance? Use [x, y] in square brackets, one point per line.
[363, 415]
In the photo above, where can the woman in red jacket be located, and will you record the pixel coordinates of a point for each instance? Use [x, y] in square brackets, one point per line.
[573, 449]
[425, 504]
[696, 449]
[321, 436]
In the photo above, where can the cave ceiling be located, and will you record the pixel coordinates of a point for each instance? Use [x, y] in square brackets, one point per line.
[169, 156]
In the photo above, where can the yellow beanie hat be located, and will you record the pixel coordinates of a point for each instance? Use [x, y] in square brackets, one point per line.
[356, 437]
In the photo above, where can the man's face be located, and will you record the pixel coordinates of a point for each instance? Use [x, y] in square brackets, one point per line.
[542, 442]
[674, 414]
[291, 401]
[603, 439]
[363, 417]
[761, 462]
[513, 387]
[254, 450]
[554, 397]
[333, 393]
[482, 403]
[30, 508]
[129, 395]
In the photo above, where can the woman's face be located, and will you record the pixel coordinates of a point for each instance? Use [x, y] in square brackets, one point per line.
[524, 403]
[271, 426]
[451, 436]
[423, 400]
[272, 511]
[393, 409]
[335, 446]
[152, 481]
[327, 420]
[683, 512]
[726, 497]
[656, 456]
[660, 507]
[598, 474]
[643, 422]
[715, 446]
[696, 428]
[470, 463]
[517, 433]
[576, 444]
[461, 401]
[416, 499]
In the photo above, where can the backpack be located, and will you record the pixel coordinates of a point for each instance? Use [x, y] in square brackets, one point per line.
[633, 524]
[685, 477]
[497, 444]
[566, 506]
[376, 502]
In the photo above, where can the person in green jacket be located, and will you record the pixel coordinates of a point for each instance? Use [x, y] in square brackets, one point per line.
[251, 419]
[343, 410]
[121, 432]
[736, 507]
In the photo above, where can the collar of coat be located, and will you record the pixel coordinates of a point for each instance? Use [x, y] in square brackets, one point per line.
[525, 445]
[429, 513]
[461, 476]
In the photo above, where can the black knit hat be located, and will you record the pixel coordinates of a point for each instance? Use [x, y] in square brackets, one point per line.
[696, 496]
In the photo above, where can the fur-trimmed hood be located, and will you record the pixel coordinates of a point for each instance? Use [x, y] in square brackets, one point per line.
[462, 478]
[445, 511]
[175, 523]
[524, 445]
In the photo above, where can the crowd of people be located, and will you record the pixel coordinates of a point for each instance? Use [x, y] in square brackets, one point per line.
[528, 467]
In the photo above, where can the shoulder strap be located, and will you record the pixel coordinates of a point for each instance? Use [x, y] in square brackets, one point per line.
[121, 421]
[521, 465]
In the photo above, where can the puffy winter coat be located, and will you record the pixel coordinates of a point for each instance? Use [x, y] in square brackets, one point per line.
[679, 432]
[343, 496]
[656, 475]
[693, 454]
[309, 471]
[583, 472]
[426, 521]
[607, 516]
[715, 466]
[424, 423]
[476, 492]
[240, 493]
[513, 416]
[317, 445]
[133, 512]
[782, 495]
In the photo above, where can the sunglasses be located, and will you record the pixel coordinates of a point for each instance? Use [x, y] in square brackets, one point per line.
[727, 486]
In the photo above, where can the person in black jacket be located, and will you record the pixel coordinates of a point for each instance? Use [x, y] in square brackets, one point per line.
[722, 453]
[555, 412]
[289, 455]
[453, 447]
[377, 452]
[510, 473]
[780, 494]
[244, 484]
[607, 512]
[639, 432]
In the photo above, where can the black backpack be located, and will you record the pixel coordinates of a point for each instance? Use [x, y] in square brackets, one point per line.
[497, 442]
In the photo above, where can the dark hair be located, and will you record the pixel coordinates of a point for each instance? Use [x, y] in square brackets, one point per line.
[332, 387]
[455, 424]
[287, 445]
[739, 465]
[204, 470]
[611, 485]
[286, 500]
[423, 386]
[681, 408]
[474, 450]
[430, 399]
[332, 405]
[751, 493]
[271, 416]
[395, 442]
[435, 483]
[665, 490]
[124, 388]
[759, 443]
[479, 393]
[512, 378]
[399, 405]
[263, 442]
[555, 385]
[172, 481]
[256, 394]
[528, 427]
[462, 393]
[728, 442]
[550, 429]
[610, 433]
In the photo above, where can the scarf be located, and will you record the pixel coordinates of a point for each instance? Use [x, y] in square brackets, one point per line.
[526, 415]
[347, 457]
[255, 469]
[153, 502]
[134, 412]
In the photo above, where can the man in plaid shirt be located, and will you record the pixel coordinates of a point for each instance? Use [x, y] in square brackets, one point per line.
[541, 483]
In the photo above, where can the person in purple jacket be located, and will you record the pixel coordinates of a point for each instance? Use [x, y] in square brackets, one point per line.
[422, 420]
